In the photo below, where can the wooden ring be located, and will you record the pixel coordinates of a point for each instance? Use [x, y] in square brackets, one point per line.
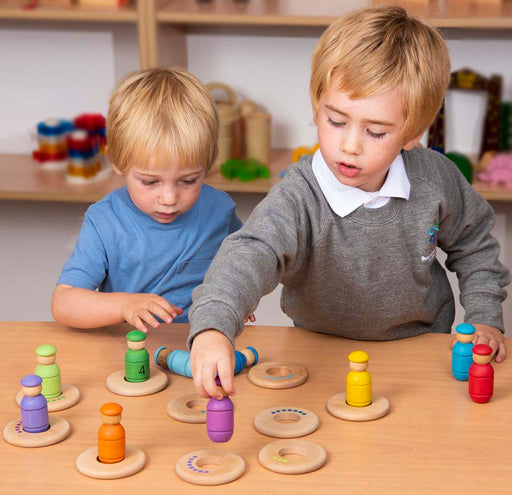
[278, 375]
[286, 422]
[15, 435]
[210, 467]
[189, 408]
[305, 457]
[69, 397]
[117, 384]
[87, 463]
[337, 406]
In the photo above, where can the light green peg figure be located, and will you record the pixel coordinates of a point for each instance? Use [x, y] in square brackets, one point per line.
[49, 371]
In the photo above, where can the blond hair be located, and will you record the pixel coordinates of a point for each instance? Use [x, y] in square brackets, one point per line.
[160, 115]
[374, 50]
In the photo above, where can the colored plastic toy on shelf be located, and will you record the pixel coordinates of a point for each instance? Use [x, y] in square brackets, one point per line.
[112, 458]
[220, 418]
[36, 428]
[244, 170]
[462, 351]
[463, 164]
[302, 152]
[86, 150]
[499, 170]
[51, 138]
[481, 374]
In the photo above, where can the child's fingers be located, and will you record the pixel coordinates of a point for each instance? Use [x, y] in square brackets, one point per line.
[502, 352]
[138, 324]
[161, 312]
[178, 310]
[162, 303]
[226, 377]
[147, 316]
[208, 374]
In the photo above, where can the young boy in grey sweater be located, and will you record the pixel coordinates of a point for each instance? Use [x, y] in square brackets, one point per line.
[352, 232]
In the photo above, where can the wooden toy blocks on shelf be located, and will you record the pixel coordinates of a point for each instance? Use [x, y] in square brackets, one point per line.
[358, 403]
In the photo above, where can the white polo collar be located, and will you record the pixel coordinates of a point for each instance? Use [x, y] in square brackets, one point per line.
[345, 199]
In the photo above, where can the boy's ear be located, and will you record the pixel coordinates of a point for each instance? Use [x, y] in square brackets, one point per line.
[315, 115]
[116, 170]
[409, 145]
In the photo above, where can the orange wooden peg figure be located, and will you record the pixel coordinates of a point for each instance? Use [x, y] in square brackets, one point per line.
[111, 435]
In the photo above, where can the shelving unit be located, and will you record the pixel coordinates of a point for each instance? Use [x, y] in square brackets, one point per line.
[162, 27]
[23, 179]
[12, 9]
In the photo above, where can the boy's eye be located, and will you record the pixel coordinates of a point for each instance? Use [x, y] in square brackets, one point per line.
[148, 182]
[376, 135]
[189, 182]
[334, 123]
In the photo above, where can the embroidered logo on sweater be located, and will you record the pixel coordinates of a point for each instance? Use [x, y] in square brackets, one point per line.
[432, 233]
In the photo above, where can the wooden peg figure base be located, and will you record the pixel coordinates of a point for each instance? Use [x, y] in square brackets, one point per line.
[286, 422]
[210, 467]
[292, 456]
[116, 383]
[87, 463]
[278, 375]
[58, 431]
[189, 408]
[69, 397]
[337, 406]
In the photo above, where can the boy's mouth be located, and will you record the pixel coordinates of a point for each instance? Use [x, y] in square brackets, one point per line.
[347, 170]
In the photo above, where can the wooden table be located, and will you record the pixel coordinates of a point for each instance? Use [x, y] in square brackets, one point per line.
[434, 440]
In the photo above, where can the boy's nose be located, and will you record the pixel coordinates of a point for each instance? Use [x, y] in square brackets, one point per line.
[167, 197]
[352, 142]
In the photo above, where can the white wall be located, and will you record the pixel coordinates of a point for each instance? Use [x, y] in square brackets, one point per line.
[52, 69]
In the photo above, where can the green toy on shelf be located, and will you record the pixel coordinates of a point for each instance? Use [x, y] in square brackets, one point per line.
[244, 170]
[463, 164]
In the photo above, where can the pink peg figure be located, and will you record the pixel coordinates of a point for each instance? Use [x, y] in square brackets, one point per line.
[220, 418]
[481, 374]
[34, 407]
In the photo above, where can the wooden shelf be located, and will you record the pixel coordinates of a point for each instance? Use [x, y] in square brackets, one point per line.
[23, 179]
[440, 13]
[12, 9]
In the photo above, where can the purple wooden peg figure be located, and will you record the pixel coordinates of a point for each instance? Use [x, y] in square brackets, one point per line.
[220, 418]
[34, 408]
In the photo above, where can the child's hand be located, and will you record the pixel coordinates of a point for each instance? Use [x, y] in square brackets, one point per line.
[212, 354]
[251, 317]
[491, 336]
[138, 310]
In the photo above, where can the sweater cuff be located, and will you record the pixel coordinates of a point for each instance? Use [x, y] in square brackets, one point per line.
[483, 308]
[213, 315]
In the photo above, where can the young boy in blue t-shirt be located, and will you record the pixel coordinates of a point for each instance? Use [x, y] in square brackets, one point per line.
[352, 232]
[144, 247]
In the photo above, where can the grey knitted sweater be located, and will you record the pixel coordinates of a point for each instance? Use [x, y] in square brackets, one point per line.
[372, 275]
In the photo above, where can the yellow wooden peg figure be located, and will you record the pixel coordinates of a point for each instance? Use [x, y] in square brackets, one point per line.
[359, 381]
[358, 403]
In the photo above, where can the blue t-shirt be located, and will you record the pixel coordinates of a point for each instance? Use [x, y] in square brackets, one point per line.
[121, 249]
